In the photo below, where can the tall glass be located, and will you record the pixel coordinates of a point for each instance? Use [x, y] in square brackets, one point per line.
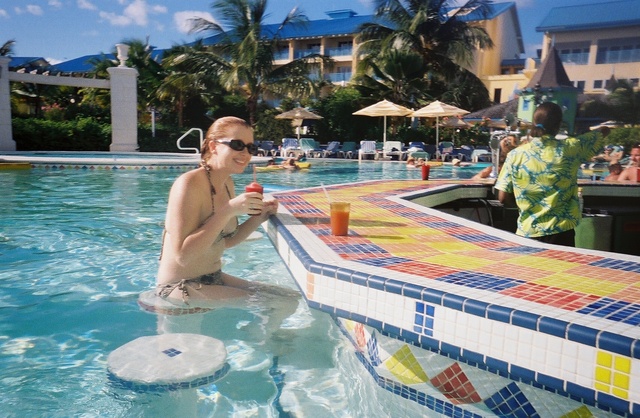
[340, 218]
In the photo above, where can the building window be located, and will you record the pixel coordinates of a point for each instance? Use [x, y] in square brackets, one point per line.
[597, 84]
[497, 95]
[579, 56]
[612, 51]
[580, 84]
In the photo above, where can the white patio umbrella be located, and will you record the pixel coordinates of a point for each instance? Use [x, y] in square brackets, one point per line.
[384, 108]
[437, 110]
[298, 115]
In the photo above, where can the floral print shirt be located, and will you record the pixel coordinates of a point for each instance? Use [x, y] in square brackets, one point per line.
[543, 177]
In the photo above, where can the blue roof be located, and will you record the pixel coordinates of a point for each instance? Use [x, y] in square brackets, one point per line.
[26, 61]
[346, 22]
[83, 64]
[592, 16]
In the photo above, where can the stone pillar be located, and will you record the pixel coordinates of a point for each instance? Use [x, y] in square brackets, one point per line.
[124, 104]
[6, 135]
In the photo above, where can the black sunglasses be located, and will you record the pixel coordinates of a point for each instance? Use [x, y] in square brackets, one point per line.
[238, 145]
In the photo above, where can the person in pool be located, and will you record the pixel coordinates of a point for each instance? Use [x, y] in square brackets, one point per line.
[202, 218]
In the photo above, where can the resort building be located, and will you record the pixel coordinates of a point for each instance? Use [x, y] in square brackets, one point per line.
[500, 68]
[596, 42]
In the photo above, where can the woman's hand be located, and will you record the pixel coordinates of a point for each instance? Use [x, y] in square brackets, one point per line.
[270, 208]
[247, 204]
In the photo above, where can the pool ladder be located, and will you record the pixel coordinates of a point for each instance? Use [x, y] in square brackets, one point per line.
[196, 150]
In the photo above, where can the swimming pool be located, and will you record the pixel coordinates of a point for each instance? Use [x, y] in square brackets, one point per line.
[77, 247]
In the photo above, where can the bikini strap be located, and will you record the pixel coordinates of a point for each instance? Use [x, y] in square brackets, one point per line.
[212, 189]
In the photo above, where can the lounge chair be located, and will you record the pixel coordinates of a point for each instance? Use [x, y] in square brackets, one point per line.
[290, 147]
[347, 149]
[266, 148]
[445, 150]
[310, 147]
[332, 149]
[393, 149]
[367, 148]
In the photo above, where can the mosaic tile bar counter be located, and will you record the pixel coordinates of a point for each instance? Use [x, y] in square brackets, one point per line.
[465, 319]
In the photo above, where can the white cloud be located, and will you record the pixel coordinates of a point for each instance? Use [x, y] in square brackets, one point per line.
[3, 13]
[55, 3]
[182, 20]
[86, 5]
[114, 19]
[30, 8]
[136, 13]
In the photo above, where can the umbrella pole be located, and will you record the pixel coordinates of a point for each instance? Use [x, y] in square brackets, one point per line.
[437, 137]
[384, 138]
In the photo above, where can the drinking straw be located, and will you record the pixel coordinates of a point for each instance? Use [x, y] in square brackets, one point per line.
[326, 193]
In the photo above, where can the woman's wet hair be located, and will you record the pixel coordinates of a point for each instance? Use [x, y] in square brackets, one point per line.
[218, 130]
[546, 120]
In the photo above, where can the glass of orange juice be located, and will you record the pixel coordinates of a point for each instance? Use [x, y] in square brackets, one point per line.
[340, 218]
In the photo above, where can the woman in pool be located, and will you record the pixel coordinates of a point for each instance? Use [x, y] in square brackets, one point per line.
[202, 218]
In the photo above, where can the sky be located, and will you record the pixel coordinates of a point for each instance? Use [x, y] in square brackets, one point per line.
[60, 30]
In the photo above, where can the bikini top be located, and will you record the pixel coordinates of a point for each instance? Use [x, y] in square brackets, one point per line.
[212, 189]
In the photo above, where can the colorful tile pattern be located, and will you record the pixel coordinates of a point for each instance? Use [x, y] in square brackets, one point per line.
[505, 304]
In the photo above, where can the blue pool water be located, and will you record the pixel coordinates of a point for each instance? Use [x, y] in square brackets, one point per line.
[77, 247]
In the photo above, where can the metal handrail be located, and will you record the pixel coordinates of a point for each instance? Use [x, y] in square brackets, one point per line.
[196, 150]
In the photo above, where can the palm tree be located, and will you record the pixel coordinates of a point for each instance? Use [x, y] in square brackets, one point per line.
[245, 58]
[7, 48]
[434, 30]
[625, 102]
[181, 85]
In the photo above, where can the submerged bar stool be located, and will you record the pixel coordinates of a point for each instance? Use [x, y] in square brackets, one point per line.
[166, 362]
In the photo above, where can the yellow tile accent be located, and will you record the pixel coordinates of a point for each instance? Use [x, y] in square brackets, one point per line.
[581, 284]
[603, 375]
[541, 263]
[604, 359]
[404, 366]
[455, 261]
[612, 374]
[582, 412]
[623, 364]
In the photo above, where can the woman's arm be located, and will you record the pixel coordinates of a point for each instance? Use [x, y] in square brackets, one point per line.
[252, 223]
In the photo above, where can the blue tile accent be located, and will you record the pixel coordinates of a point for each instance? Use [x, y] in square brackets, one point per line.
[314, 268]
[525, 320]
[391, 330]
[432, 296]
[582, 334]
[344, 275]
[499, 313]
[615, 343]
[393, 286]
[584, 395]
[480, 281]
[497, 365]
[172, 352]
[411, 290]
[453, 301]
[553, 326]
[520, 373]
[359, 279]
[450, 350]
[376, 282]
[475, 307]
[329, 271]
[604, 399]
[472, 358]
[550, 382]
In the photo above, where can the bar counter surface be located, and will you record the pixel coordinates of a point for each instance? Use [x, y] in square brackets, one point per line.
[434, 303]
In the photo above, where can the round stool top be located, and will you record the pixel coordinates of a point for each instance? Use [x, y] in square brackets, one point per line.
[151, 302]
[168, 362]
